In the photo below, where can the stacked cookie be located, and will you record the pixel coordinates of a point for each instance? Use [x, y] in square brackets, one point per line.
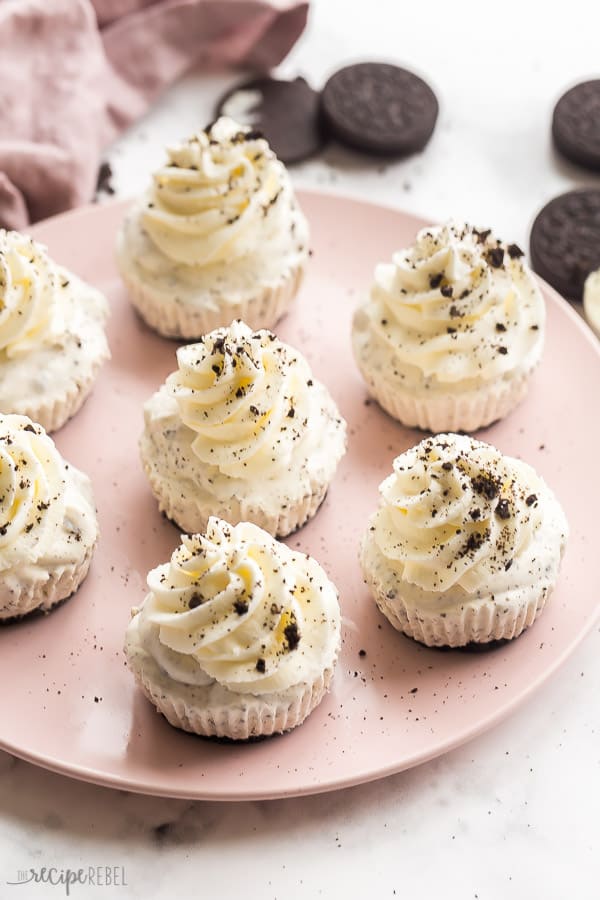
[374, 107]
[565, 235]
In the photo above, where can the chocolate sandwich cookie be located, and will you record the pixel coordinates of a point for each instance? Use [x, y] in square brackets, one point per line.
[576, 124]
[286, 112]
[565, 241]
[379, 108]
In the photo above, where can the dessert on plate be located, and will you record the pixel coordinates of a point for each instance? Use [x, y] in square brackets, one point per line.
[218, 236]
[49, 526]
[238, 635]
[52, 338]
[241, 430]
[466, 544]
[452, 330]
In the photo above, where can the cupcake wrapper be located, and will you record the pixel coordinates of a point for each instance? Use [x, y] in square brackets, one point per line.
[53, 414]
[449, 412]
[478, 621]
[244, 716]
[191, 516]
[261, 309]
[42, 596]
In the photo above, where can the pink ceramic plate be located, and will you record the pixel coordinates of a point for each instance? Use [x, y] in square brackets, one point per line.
[68, 701]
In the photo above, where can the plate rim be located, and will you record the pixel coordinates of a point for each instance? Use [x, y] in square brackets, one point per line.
[92, 775]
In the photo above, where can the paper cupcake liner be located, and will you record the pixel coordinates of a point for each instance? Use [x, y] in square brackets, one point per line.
[259, 309]
[53, 414]
[192, 516]
[241, 717]
[42, 596]
[440, 412]
[474, 621]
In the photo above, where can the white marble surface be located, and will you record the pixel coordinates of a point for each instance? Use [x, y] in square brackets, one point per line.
[514, 813]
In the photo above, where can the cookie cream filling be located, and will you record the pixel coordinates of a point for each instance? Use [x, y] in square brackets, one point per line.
[460, 521]
[457, 309]
[222, 209]
[591, 300]
[51, 326]
[243, 417]
[238, 608]
[47, 515]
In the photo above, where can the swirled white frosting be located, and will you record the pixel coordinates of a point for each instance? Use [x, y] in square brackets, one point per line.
[246, 395]
[209, 201]
[591, 300]
[457, 308]
[46, 517]
[30, 309]
[457, 515]
[244, 412]
[237, 607]
[51, 327]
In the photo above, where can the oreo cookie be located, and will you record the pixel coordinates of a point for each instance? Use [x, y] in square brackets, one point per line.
[565, 241]
[379, 108]
[576, 125]
[286, 112]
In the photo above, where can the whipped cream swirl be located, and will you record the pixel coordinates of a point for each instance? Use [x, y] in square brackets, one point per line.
[457, 305]
[246, 396]
[32, 492]
[456, 511]
[29, 289]
[237, 607]
[210, 200]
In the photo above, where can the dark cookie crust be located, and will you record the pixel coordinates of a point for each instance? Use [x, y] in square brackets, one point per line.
[379, 108]
[576, 124]
[37, 613]
[253, 739]
[471, 647]
[287, 113]
[565, 241]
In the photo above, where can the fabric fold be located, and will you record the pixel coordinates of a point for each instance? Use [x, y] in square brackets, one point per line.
[77, 72]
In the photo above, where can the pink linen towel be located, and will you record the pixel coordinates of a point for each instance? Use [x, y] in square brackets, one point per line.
[76, 72]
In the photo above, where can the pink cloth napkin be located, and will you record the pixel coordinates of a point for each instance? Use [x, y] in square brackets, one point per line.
[76, 72]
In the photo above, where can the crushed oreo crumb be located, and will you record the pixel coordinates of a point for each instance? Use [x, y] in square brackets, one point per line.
[104, 183]
[486, 484]
[292, 635]
[503, 509]
[495, 257]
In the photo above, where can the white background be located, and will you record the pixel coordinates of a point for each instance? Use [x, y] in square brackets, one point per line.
[513, 814]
